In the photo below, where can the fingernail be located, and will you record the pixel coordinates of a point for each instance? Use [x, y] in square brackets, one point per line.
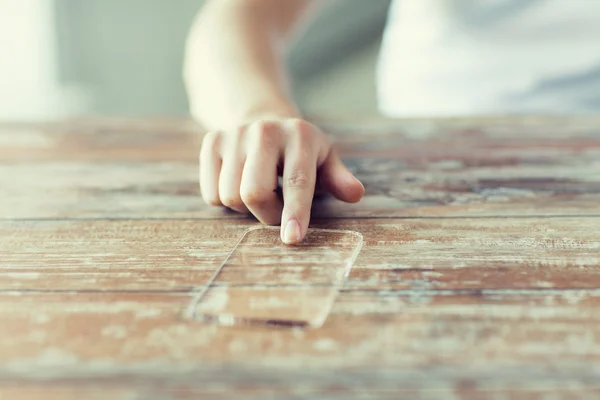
[291, 234]
[359, 182]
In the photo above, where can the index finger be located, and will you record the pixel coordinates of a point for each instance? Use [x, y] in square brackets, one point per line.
[299, 178]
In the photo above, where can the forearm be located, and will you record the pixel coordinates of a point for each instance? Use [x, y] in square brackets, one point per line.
[234, 68]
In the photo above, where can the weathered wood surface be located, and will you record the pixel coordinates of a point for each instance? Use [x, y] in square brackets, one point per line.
[479, 276]
[153, 392]
[373, 340]
[450, 168]
[397, 254]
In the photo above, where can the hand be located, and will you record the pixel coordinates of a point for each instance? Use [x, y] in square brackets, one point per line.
[239, 169]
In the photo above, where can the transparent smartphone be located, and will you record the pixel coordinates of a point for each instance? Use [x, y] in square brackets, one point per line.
[264, 281]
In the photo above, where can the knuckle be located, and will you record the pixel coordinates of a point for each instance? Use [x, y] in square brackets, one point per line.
[267, 126]
[304, 133]
[266, 130]
[298, 179]
[232, 201]
[264, 136]
[303, 127]
[256, 196]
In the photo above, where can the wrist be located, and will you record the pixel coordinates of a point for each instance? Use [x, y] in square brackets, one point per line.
[232, 114]
[281, 110]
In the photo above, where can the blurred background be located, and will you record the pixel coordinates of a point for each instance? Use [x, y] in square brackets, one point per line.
[62, 58]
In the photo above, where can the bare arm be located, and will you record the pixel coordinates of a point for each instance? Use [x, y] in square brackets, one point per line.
[234, 66]
[238, 89]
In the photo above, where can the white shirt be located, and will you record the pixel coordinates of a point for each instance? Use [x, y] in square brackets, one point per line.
[469, 57]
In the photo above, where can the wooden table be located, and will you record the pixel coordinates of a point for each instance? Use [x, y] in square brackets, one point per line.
[479, 276]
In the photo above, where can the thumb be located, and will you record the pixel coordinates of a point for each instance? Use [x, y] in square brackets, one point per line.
[339, 181]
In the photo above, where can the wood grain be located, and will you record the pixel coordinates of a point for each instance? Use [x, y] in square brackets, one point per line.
[100, 140]
[371, 340]
[398, 254]
[479, 275]
[105, 300]
[419, 168]
[469, 168]
[153, 392]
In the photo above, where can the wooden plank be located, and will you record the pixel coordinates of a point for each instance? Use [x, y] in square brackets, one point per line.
[155, 392]
[52, 391]
[536, 124]
[434, 308]
[384, 340]
[101, 167]
[135, 169]
[105, 190]
[100, 140]
[543, 166]
[151, 139]
[397, 254]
